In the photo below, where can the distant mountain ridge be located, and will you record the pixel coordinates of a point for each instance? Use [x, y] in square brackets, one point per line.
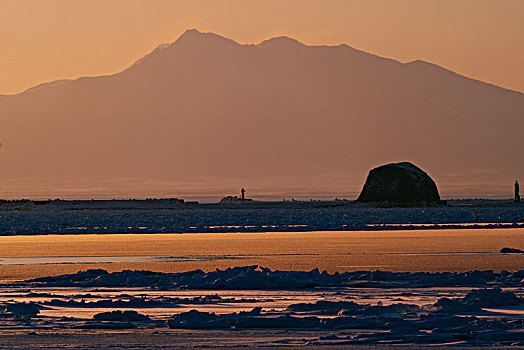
[208, 114]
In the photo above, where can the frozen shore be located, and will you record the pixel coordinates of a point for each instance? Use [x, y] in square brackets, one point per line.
[165, 216]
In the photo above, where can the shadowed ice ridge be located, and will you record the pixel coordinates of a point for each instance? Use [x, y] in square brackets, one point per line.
[255, 278]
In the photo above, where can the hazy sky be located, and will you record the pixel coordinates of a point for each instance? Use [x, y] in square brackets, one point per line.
[44, 40]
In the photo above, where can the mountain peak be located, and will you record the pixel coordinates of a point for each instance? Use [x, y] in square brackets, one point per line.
[280, 41]
[194, 36]
[190, 40]
[191, 33]
[210, 112]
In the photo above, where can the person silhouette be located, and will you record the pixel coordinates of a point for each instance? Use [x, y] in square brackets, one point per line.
[517, 190]
[243, 192]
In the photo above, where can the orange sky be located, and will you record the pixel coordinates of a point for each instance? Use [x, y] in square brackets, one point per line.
[44, 40]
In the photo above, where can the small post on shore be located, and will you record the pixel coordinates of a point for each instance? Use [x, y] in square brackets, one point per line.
[243, 193]
[517, 194]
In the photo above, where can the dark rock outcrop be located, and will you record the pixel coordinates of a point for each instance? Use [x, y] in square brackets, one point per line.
[507, 250]
[399, 183]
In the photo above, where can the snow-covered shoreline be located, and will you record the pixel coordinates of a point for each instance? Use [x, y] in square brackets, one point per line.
[163, 216]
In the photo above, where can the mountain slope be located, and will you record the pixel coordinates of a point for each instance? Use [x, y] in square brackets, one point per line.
[208, 113]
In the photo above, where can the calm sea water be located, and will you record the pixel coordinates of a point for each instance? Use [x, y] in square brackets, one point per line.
[23, 257]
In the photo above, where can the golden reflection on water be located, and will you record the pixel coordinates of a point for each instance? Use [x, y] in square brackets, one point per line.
[331, 251]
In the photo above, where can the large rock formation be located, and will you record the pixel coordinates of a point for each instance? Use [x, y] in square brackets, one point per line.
[399, 183]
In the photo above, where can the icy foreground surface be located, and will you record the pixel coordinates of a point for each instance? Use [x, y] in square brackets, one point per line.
[477, 308]
[393, 324]
[63, 218]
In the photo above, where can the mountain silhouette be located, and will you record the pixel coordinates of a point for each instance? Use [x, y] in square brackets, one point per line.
[206, 112]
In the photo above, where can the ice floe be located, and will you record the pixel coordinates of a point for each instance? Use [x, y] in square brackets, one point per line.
[20, 310]
[118, 315]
